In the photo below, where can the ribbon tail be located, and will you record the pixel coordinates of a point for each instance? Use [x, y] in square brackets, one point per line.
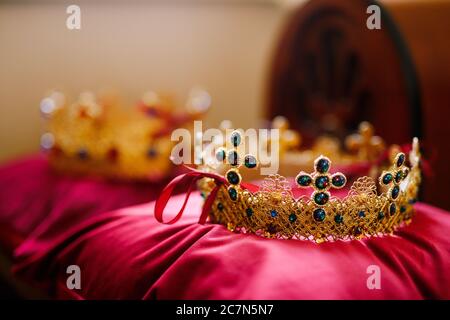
[208, 204]
[167, 193]
[189, 179]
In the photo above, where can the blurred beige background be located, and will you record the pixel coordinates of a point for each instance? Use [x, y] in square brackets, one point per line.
[169, 46]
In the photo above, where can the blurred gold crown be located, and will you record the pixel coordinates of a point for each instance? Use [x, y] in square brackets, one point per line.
[95, 136]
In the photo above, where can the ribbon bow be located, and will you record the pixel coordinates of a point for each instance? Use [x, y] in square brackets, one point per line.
[189, 179]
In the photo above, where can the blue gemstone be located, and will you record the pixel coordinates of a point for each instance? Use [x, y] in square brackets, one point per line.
[235, 138]
[250, 161]
[233, 177]
[395, 192]
[220, 206]
[233, 158]
[400, 159]
[357, 231]
[321, 182]
[304, 180]
[220, 155]
[249, 212]
[338, 180]
[387, 178]
[392, 209]
[402, 209]
[322, 165]
[321, 198]
[361, 214]
[152, 152]
[338, 218]
[273, 213]
[292, 217]
[319, 214]
[380, 215]
[232, 192]
[398, 176]
[83, 154]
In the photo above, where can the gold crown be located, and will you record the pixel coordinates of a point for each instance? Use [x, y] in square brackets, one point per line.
[96, 136]
[372, 207]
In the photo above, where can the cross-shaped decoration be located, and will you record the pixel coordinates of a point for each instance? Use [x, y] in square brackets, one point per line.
[321, 180]
[394, 176]
[231, 157]
[365, 143]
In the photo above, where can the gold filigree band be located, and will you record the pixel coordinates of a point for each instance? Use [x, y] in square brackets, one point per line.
[371, 208]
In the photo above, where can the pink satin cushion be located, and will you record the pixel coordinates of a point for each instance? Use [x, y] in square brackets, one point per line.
[35, 200]
[126, 254]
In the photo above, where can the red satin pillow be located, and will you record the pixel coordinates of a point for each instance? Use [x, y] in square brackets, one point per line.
[127, 254]
[36, 201]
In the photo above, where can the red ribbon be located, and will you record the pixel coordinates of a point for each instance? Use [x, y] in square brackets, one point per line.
[189, 179]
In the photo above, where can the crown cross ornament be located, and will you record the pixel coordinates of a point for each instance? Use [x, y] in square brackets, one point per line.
[233, 158]
[392, 179]
[322, 181]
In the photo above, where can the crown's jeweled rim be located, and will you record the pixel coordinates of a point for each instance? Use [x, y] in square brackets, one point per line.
[274, 212]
